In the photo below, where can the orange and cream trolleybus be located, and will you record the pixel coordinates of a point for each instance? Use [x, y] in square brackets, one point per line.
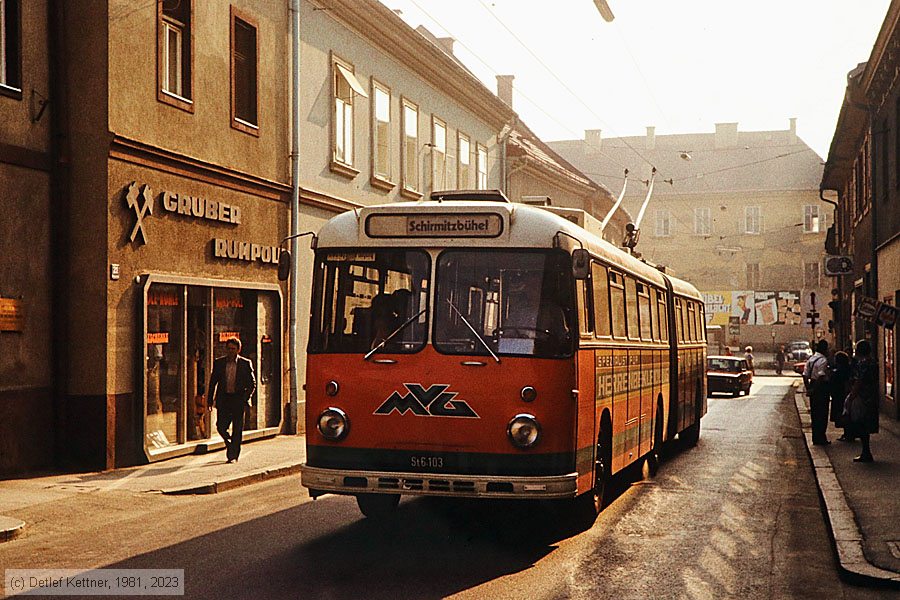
[469, 346]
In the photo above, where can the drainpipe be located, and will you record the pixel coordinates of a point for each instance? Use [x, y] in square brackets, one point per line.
[294, 419]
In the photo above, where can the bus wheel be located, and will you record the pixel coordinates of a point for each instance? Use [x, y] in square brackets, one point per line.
[589, 504]
[377, 506]
[655, 456]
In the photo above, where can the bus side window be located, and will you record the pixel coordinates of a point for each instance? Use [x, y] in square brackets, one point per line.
[631, 309]
[701, 323]
[617, 304]
[691, 323]
[663, 316]
[600, 280]
[679, 324]
[585, 318]
[643, 297]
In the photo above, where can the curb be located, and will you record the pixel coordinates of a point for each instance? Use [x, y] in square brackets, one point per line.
[10, 528]
[214, 487]
[845, 533]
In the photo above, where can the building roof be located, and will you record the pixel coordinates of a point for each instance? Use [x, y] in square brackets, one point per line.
[726, 161]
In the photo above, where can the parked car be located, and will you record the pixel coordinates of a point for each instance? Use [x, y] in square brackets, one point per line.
[799, 350]
[728, 374]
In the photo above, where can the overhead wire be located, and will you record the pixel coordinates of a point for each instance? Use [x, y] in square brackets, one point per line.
[555, 76]
[525, 96]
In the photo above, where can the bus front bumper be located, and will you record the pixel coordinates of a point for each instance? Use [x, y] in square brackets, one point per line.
[342, 481]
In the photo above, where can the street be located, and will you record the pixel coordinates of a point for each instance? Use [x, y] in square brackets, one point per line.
[737, 516]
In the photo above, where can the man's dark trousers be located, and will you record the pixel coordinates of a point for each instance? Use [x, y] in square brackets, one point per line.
[818, 412]
[231, 414]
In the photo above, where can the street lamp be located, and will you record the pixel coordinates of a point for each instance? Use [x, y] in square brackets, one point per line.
[604, 10]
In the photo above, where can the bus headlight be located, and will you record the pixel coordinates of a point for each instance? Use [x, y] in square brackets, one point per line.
[524, 431]
[333, 424]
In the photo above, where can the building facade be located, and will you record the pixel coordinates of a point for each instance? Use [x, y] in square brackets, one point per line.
[736, 213]
[145, 161]
[862, 171]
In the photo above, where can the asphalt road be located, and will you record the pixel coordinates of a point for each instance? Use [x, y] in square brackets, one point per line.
[737, 516]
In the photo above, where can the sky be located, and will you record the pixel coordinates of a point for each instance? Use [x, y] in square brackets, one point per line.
[680, 66]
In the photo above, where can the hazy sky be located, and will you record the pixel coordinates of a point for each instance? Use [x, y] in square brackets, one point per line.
[679, 65]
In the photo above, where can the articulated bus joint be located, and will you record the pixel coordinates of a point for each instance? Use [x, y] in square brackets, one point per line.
[341, 481]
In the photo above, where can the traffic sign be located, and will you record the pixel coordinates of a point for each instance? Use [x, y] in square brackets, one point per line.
[838, 265]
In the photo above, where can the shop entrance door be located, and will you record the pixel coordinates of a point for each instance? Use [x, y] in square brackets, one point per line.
[199, 335]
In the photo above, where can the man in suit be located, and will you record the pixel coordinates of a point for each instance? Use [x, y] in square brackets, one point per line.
[230, 386]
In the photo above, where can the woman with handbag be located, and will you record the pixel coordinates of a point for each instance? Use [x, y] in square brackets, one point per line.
[861, 405]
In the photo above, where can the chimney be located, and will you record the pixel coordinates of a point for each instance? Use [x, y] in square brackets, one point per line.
[446, 44]
[592, 141]
[793, 121]
[726, 135]
[505, 88]
[651, 137]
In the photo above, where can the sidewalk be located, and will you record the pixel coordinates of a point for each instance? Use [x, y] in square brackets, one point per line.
[192, 474]
[861, 500]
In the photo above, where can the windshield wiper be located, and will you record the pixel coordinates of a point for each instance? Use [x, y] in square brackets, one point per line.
[393, 333]
[472, 329]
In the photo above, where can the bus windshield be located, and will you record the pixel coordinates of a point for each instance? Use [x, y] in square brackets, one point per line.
[518, 303]
[360, 298]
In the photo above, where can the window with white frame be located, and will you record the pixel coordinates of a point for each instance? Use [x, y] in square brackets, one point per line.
[752, 219]
[753, 276]
[663, 225]
[343, 116]
[175, 49]
[409, 156]
[381, 131]
[463, 162]
[480, 167]
[438, 154]
[811, 275]
[10, 48]
[813, 219]
[701, 220]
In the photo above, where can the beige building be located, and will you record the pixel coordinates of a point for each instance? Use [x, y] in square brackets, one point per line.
[736, 213]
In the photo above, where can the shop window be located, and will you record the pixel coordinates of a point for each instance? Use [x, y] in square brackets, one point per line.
[187, 327]
[10, 49]
[244, 80]
[175, 53]
[165, 308]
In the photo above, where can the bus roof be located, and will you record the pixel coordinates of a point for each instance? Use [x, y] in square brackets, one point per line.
[454, 221]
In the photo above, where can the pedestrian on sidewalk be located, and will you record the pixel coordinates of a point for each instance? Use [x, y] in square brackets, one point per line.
[780, 358]
[748, 354]
[231, 385]
[862, 399]
[815, 376]
[839, 386]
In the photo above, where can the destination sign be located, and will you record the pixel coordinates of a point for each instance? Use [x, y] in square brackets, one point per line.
[434, 225]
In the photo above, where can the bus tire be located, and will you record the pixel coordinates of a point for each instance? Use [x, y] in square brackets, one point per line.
[589, 504]
[691, 435]
[655, 456]
[377, 506]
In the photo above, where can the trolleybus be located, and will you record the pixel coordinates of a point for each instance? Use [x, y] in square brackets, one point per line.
[469, 346]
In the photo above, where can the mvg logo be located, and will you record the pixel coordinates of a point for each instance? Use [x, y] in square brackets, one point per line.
[436, 401]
